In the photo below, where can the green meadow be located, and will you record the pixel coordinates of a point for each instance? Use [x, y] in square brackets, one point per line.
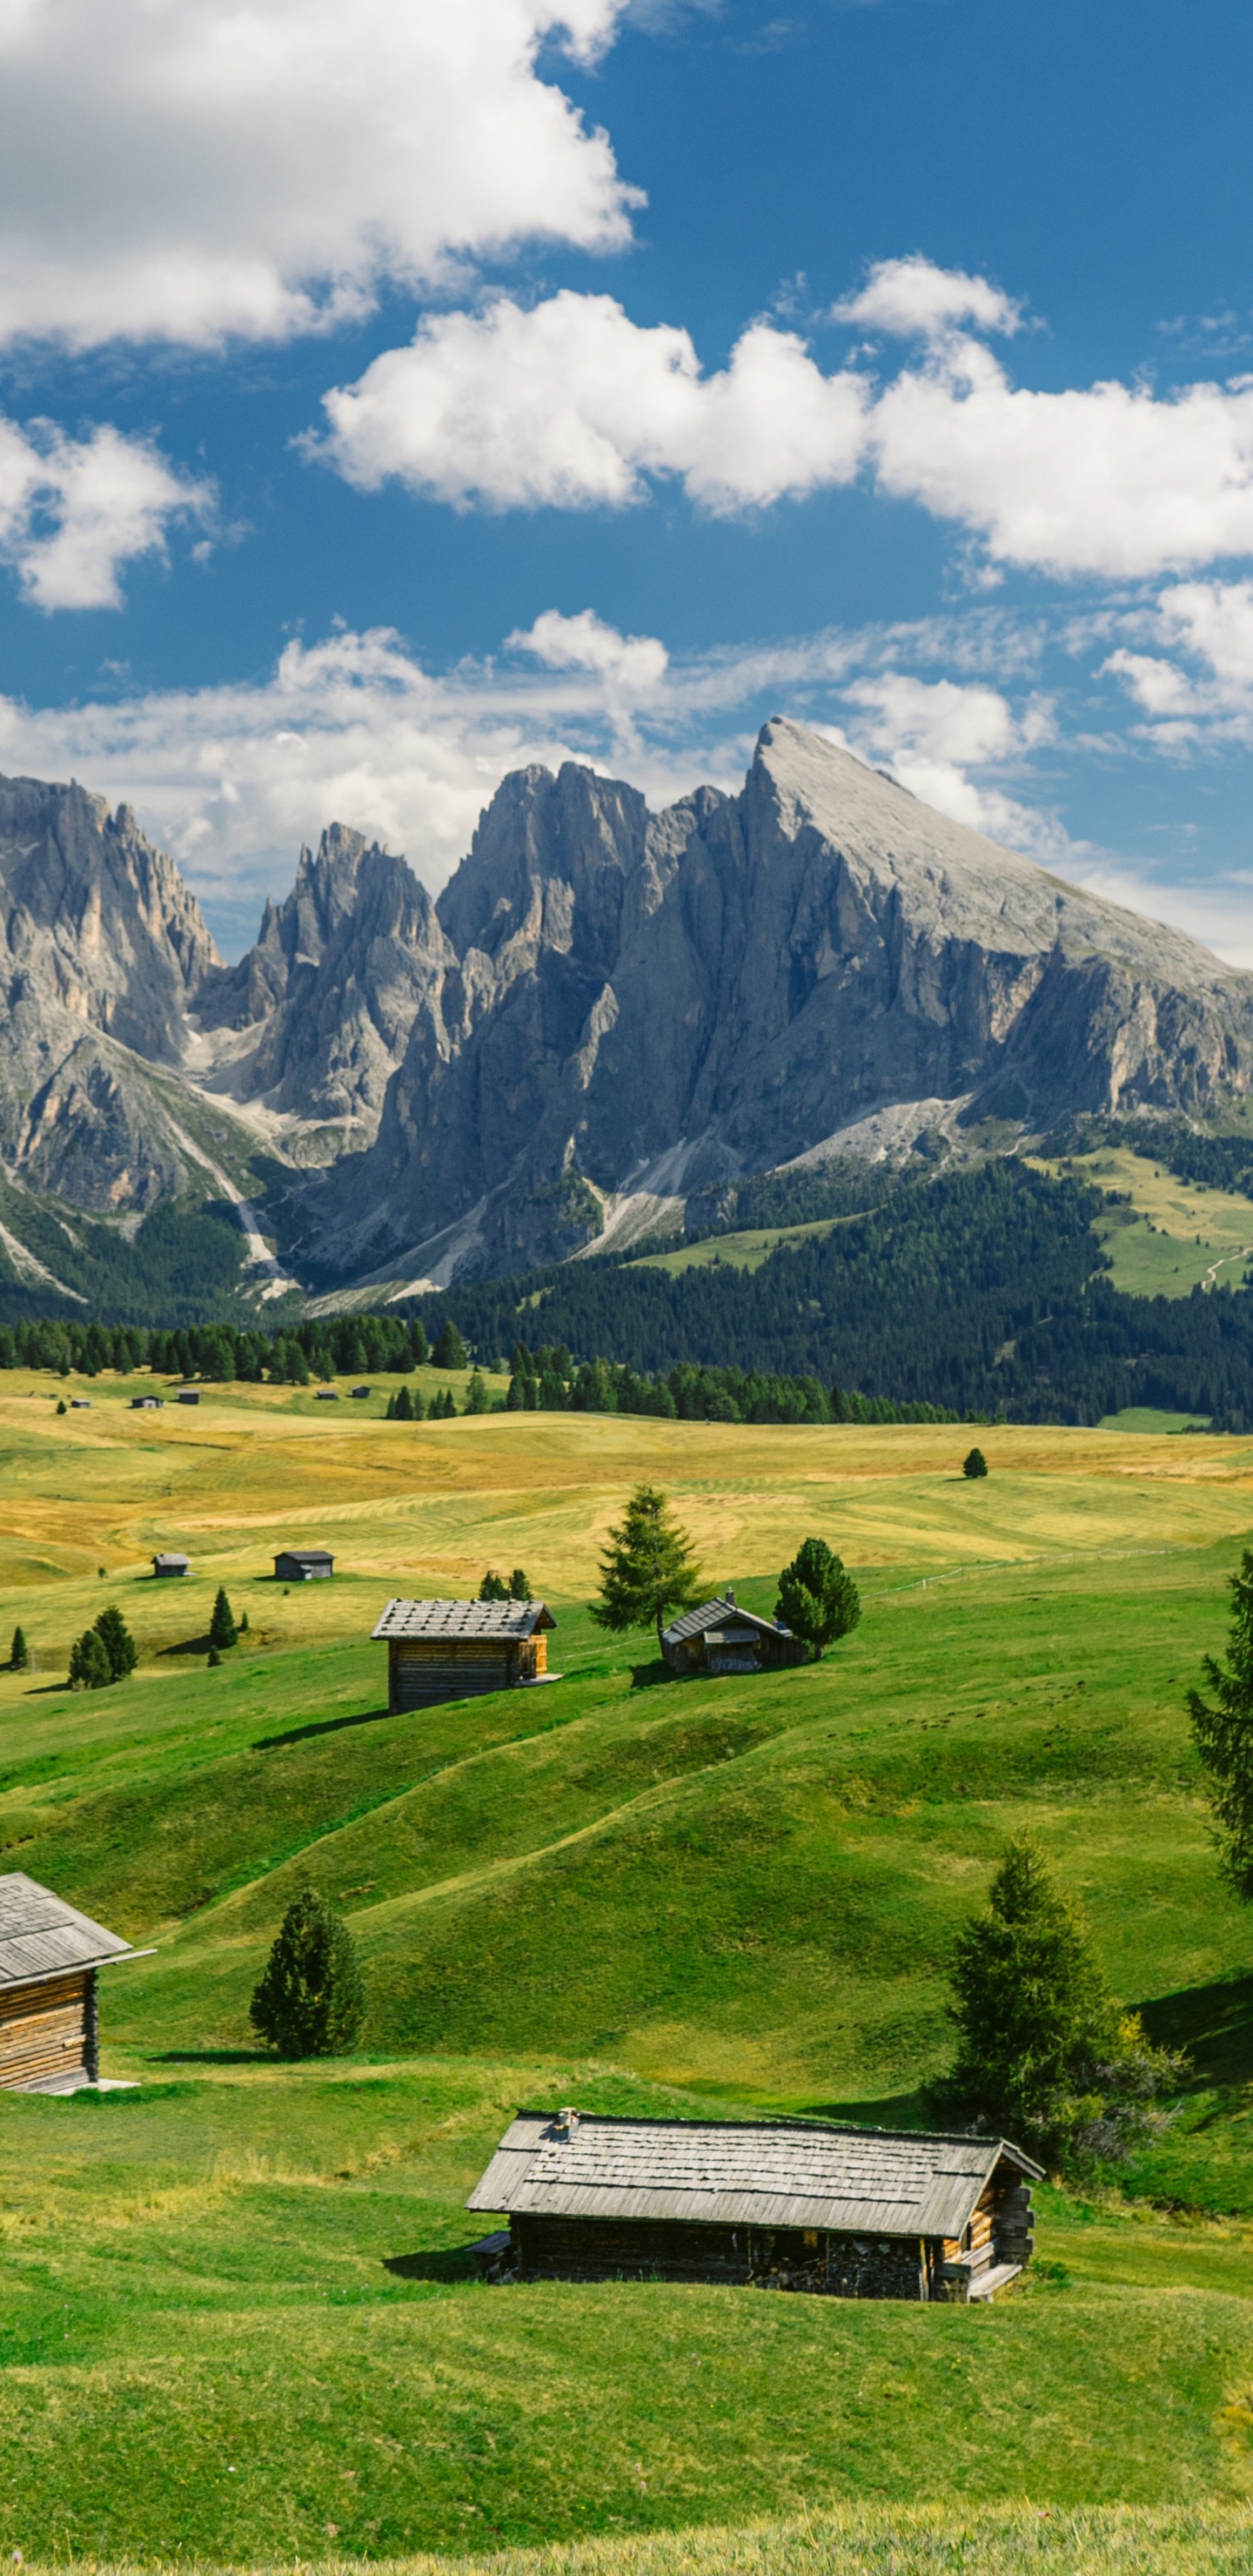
[238, 2321]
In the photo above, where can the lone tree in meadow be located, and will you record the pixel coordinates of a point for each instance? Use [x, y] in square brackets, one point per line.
[222, 1629]
[19, 1652]
[1224, 1738]
[1046, 2054]
[974, 1464]
[311, 2001]
[818, 1599]
[648, 1569]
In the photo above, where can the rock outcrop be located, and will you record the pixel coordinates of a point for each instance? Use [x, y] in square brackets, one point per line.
[102, 948]
[644, 1004]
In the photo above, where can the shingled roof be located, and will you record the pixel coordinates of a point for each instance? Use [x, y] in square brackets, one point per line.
[778, 2173]
[42, 1936]
[505, 1619]
[725, 1612]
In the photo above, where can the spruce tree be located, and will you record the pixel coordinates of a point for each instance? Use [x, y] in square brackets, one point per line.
[974, 1463]
[477, 1398]
[818, 1599]
[310, 2001]
[222, 1629]
[121, 1651]
[402, 1406]
[1224, 1738]
[450, 1351]
[648, 1568]
[19, 1652]
[89, 1664]
[1046, 2054]
[492, 1588]
[519, 1588]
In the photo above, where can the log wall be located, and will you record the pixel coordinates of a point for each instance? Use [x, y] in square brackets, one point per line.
[48, 2029]
[781, 2258]
[420, 1674]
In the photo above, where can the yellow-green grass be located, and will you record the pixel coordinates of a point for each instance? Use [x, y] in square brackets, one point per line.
[744, 1250]
[694, 1897]
[1173, 1235]
[238, 2323]
[1149, 1417]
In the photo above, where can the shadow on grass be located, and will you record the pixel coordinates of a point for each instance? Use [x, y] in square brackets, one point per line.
[323, 1726]
[188, 1646]
[215, 2057]
[893, 2111]
[647, 1676]
[441, 2263]
[1213, 2023]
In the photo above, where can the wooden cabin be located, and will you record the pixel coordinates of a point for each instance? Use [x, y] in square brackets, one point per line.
[439, 1650]
[722, 1638]
[304, 1565]
[169, 1564]
[49, 1956]
[778, 2204]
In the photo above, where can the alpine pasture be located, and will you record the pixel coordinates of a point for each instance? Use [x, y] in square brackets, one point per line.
[238, 2320]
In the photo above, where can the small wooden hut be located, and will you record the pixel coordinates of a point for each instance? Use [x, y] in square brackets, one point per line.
[168, 1564]
[780, 2204]
[438, 1650]
[49, 1955]
[722, 1638]
[304, 1565]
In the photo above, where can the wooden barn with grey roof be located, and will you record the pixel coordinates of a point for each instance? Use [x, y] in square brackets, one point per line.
[720, 1637]
[49, 1956]
[782, 2204]
[440, 1650]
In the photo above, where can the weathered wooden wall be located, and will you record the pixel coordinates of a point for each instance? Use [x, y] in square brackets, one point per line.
[814, 2260]
[48, 2029]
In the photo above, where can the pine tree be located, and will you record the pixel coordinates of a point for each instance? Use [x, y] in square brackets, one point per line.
[401, 1408]
[89, 1664]
[417, 1409]
[389, 1414]
[818, 1599]
[19, 1652]
[310, 2001]
[243, 1625]
[121, 1651]
[974, 1464]
[476, 1393]
[492, 1589]
[450, 1351]
[648, 1568]
[1045, 2053]
[222, 1628]
[519, 1588]
[63, 1406]
[1224, 1738]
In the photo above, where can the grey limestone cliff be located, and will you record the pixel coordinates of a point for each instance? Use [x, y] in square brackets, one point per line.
[634, 1002]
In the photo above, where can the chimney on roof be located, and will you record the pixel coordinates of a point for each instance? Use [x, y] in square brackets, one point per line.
[729, 1595]
[566, 2123]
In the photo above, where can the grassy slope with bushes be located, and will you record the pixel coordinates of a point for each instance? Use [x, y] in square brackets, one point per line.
[236, 2313]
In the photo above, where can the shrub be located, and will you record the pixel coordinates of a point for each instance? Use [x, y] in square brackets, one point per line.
[311, 2001]
[818, 1599]
[19, 1652]
[121, 1651]
[974, 1463]
[222, 1628]
[648, 1568]
[1046, 2055]
[89, 1664]
[214, 1658]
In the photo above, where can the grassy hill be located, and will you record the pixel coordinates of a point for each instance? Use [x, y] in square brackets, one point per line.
[236, 2314]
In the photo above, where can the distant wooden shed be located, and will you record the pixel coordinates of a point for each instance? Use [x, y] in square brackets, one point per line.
[169, 1563]
[147, 1403]
[304, 1565]
[720, 1637]
[440, 1650]
[49, 1955]
[780, 2204]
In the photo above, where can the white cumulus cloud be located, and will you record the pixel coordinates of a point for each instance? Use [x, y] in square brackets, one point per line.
[932, 734]
[73, 511]
[188, 169]
[572, 404]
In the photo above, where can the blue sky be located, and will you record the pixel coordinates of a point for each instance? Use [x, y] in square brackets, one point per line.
[392, 396]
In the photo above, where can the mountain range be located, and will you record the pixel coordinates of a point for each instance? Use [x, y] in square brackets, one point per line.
[604, 1012]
